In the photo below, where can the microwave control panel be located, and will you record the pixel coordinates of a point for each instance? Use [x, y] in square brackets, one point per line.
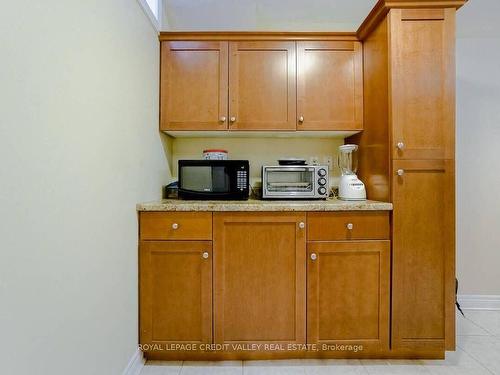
[241, 179]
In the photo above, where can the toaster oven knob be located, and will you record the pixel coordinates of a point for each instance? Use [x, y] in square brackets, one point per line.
[322, 181]
[321, 190]
[321, 172]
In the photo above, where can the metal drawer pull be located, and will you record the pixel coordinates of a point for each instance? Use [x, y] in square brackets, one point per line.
[205, 255]
[350, 226]
[314, 256]
[401, 172]
[302, 225]
[401, 145]
[175, 226]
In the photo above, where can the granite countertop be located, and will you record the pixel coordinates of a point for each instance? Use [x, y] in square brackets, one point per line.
[331, 204]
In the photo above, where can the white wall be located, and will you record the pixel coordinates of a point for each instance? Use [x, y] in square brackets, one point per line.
[269, 15]
[478, 148]
[78, 149]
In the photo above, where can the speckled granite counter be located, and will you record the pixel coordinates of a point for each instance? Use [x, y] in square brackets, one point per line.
[263, 205]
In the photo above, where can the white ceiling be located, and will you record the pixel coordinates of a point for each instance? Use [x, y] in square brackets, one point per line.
[478, 18]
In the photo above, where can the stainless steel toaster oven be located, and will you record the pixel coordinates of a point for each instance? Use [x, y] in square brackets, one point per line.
[295, 182]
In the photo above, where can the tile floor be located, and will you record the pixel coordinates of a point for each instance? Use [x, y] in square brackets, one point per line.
[478, 353]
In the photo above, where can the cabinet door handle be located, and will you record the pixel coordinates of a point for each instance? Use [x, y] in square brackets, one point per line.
[232, 119]
[314, 256]
[301, 119]
[350, 226]
[223, 119]
[205, 255]
[175, 226]
[400, 145]
[302, 225]
[401, 172]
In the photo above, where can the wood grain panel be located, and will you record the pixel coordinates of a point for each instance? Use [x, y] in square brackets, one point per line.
[348, 293]
[262, 85]
[423, 253]
[259, 277]
[175, 292]
[329, 85]
[194, 85]
[374, 140]
[161, 225]
[332, 226]
[423, 83]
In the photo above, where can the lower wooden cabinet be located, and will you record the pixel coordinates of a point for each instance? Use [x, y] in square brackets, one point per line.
[423, 312]
[260, 277]
[175, 292]
[348, 293]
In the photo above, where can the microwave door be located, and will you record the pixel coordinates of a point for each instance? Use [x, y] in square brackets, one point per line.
[205, 179]
[196, 178]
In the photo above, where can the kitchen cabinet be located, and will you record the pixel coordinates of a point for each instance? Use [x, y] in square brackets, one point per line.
[264, 278]
[260, 277]
[262, 92]
[423, 83]
[329, 85]
[323, 226]
[194, 85]
[348, 293]
[175, 292]
[407, 157]
[277, 84]
[423, 252]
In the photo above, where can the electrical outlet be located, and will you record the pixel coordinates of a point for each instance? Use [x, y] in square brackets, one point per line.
[328, 160]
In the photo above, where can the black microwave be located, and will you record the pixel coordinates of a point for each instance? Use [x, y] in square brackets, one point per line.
[214, 179]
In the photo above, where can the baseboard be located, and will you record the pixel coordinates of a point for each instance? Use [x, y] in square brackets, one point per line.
[479, 302]
[135, 364]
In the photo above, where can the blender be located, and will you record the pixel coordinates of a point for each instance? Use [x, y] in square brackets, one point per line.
[350, 186]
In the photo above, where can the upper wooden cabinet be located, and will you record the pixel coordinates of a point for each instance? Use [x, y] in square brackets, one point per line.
[262, 94]
[260, 277]
[329, 85]
[193, 87]
[262, 85]
[422, 43]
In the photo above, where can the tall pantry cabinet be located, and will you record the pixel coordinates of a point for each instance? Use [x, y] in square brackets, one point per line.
[407, 157]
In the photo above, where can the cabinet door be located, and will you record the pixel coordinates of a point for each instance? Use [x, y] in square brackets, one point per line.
[423, 254]
[175, 292]
[348, 293]
[262, 85]
[423, 83]
[329, 85]
[194, 93]
[260, 277]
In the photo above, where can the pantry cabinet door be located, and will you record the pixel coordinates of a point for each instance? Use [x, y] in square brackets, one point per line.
[348, 294]
[193, 88]
[262, 85]
[175, 292]
[259, 278]
[423, 305]
[329, 85]
[422, 101]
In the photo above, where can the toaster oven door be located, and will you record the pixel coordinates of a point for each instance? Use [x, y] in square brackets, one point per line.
[288, 182]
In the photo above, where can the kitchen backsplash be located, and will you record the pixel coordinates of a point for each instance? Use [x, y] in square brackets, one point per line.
[261, 151]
